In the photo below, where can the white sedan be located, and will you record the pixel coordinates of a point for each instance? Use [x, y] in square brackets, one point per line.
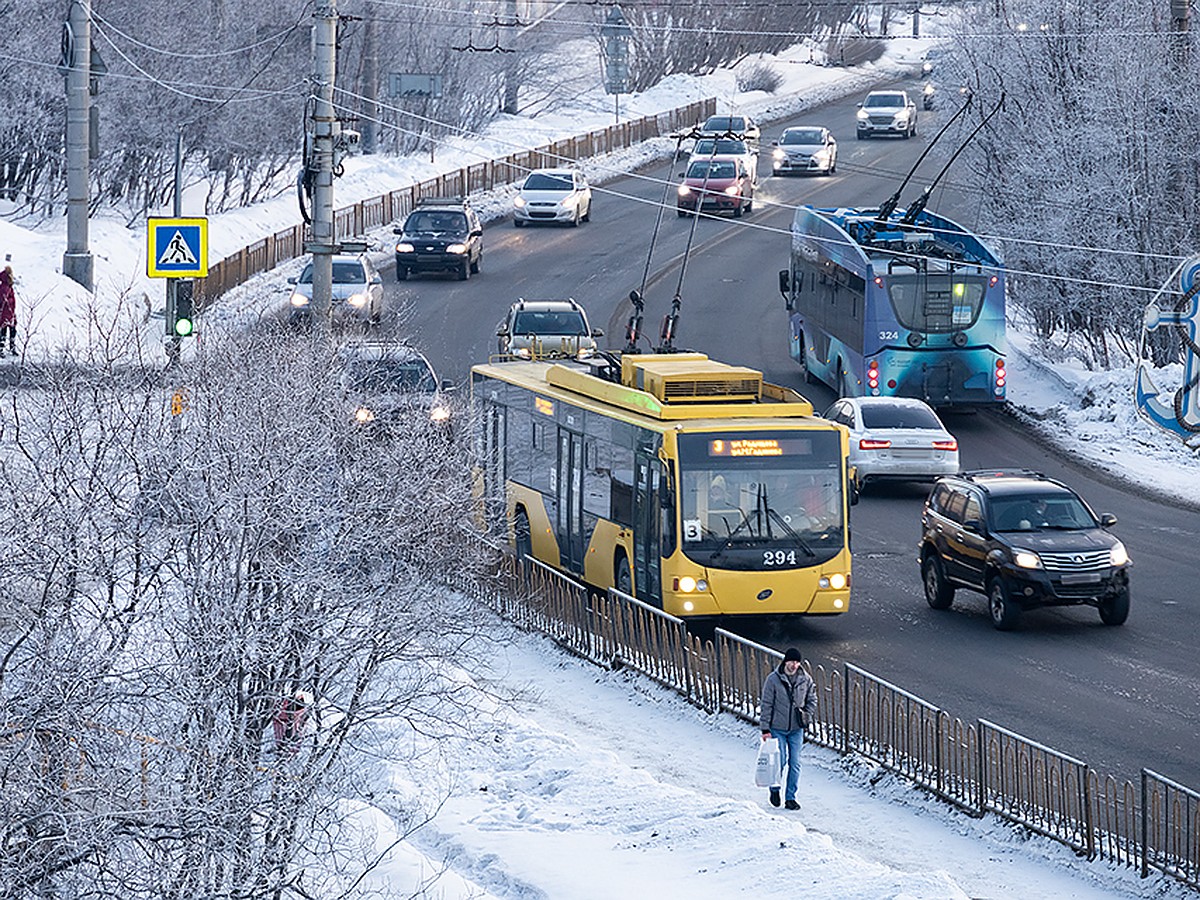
[895, 437]
[553, 195]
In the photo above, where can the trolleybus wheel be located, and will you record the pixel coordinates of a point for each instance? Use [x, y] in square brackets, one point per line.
[624, 577]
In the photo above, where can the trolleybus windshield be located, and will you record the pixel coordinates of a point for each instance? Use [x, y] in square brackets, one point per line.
[761, 499]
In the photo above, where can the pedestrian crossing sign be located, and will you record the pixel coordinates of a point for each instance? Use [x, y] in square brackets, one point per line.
[177, 248]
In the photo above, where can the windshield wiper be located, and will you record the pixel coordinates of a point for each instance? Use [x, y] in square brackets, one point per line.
[800, 542]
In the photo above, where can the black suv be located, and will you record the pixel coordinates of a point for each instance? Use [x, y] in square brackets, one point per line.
[442, 234]
[1025, 541]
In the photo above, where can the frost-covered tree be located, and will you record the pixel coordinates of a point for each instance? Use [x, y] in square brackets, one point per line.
[205, 618]
[1088, 168]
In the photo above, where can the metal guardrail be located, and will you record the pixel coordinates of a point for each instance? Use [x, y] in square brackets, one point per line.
[980, 768]
[376, 212]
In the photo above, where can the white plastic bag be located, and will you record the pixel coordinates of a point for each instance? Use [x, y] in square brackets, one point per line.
[766, 767]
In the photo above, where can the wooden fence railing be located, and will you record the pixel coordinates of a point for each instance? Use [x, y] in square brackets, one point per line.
[375, 212]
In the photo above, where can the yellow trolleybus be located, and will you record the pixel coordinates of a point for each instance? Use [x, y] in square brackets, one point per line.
[691, 484]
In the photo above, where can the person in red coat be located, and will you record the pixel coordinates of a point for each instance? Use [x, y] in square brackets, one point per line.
[8, 311]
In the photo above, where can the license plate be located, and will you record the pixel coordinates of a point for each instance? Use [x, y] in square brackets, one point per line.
[1081, 578]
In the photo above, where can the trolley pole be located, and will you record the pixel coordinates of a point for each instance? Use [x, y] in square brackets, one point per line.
[78, 264]
[325, 131]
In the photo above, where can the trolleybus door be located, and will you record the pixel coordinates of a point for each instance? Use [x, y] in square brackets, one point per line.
[570, 499]
[647, 563]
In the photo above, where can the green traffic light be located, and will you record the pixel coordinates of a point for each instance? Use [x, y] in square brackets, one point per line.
[183, 327]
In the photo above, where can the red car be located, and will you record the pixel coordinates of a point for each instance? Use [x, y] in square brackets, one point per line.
[718, 185]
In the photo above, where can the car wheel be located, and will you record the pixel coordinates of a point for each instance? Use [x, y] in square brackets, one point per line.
[860, 135]
[624, 578]
[587, 216]
[843, 386]
[517, 223]
[938, 594]
[738, 210]
[475, 265]
[401, 272]
[833, 166]
[575, 220]
[1114, 610]
[749, 206]
[1004, 611]
[681, 213]
[522, 535]
[464, 271]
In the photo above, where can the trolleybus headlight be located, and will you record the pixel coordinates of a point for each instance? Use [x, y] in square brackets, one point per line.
[836, 581]
[838, 604]
[687, 584]
[1117, 555]
[1027, 559]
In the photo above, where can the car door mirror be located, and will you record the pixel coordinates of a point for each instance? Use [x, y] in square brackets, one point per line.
[397, 231]
[478, 232]
[974, 526]
[597, 332]
[502, 331]
[292, 280]
[1107, 520]
[376, 279]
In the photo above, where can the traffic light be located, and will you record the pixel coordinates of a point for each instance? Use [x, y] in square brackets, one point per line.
[181, 319]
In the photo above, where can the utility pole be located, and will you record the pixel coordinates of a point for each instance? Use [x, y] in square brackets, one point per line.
[917, 20]
[325, 132]
[511, 77]
[369, 127]
[77, 59]
[174, 343]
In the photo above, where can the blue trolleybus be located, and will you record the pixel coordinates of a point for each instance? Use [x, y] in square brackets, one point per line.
[907, 305]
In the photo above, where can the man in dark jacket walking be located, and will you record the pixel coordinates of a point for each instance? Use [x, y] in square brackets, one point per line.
[789, 705]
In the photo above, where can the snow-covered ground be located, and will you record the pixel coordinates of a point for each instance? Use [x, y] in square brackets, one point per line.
[598, 784]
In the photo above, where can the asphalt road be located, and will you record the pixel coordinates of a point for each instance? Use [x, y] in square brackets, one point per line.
[1119, 698]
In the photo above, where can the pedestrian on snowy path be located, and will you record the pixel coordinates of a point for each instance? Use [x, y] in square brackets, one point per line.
[8, 311]
[789, 706]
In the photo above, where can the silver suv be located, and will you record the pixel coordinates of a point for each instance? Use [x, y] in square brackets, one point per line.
[391, 388]
[540, 329]
[887, 112]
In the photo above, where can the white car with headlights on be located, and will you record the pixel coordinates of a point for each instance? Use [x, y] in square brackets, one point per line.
[887, 112]
[357, 291]
[897, 438]
[544, 329]
[392, 389]
[553, 195]
[804, 148]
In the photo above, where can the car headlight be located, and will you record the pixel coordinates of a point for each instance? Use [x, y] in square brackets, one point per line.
[439, 413]
[1117, 555]
[779, 153]
[568, 202]
[519, 202]
[863, 115]
[363, 415]
[901, 116]
[357, 300]
[405, 247]
[457, 248]
[733, 190]
[299, 300]
[1027, 559]
[685, 191]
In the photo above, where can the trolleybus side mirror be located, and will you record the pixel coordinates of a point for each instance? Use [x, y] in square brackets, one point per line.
[852, 485]
[785, 288]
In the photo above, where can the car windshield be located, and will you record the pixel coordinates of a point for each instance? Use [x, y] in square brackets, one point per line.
[1038, 512]
[709, 147]
[542, 181]
[803, 136]
[899, 416]
[385, 376]
[717, 169]
[343, 273]
[549, 322]
[725, 123]
[883, 100]
[436, 223]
